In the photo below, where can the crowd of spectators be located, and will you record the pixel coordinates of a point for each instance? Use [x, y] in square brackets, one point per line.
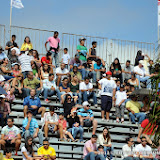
[25, 75]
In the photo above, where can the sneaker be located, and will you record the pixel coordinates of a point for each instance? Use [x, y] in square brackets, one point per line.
[117, 120]
[47, 101]
[107, 120]
[103, 119]
[122, 120]
[42, 120]
[96, 105]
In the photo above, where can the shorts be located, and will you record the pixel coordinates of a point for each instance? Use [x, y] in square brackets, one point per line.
[51, 129]
[88, 123]
[34, 111]
[106, 103]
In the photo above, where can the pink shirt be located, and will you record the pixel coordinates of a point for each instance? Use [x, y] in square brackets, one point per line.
[53, 42]
[90, 145]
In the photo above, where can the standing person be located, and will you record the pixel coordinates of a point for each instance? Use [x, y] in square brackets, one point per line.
[139, 57]
[93, 52]
[108, 91]
[11, 44]
[54, 47]
[90, 150]
[27, 45]
[66, 57]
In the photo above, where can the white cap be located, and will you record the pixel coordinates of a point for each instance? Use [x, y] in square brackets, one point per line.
[141, 62]
[2, 96]
[85, 103]
[16, 49]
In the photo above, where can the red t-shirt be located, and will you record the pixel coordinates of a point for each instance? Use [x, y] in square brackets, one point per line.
[44, 59]
[148, 129]
[64, 123]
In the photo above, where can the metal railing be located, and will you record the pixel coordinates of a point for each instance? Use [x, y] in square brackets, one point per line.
[2, 35]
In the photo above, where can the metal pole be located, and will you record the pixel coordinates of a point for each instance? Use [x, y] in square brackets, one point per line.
[10, 18]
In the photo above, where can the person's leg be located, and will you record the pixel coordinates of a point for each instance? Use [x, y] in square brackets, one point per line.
[132, 117]
[147, 80]
[81, 121]
[103, 106]
[27, 92]
[141, 116]
[58, 80]
[94, 126]
[83, 71]
[25, 111]
[110, 149]
[70, 135]
[17, 145]
[42, 111]
[94, 76]
[93, 94]
[128, 158]
[58, 94]
[2, 142]
[99, 157]
[81, 130]
[85, 96]
[7, 77]
[46, 129]
[117, 113]
[87, 73]
[90, 156]
[108, 106]
[56, 58]
[60, 130]
[38, 92]
[45, 93]
[138, 77]
[26, 134]
[40, 136]
[122, 111]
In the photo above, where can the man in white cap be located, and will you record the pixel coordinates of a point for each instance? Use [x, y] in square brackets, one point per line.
[86, 117]
[141, 74]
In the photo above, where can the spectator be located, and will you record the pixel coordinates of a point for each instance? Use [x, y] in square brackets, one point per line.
[47, 59]
[13, 56]
[8, 154]
[87, 92]
[25, 62]
[45, 71]
[32, 83]
[50, 88]
[30, 128]
[143, 151]
[128, 150]
[93, 52]
[46, 151]
[66, 57]
[105, 140]
[10, 136]
[77, 73]
[16, 69]
[145, 104]
[33, 103]
[139, 57]
[86, 117]
[82, 50]
[118, 83]
[151, 67]
[134, 109]
[61, 72]
[119, 103]
[108, 90]
[99, 68]
[2, 55]
[51, 123]
[127, 70]
[11, 44]
[27, 45]
[90, 150]
[35, 70]
[54, 47]
[64, 86]
[134, 81]
[116, 69]
[36, 58]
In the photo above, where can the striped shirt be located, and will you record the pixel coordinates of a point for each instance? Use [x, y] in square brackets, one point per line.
[85, 113]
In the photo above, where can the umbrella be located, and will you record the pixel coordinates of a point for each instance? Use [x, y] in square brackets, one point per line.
[2, 91]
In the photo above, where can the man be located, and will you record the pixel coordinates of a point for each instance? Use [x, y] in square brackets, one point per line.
[90, 150]
[86, 117]
[93, 52]
[51, 123]
[13, 57]
[77, 73]
[2, 55]
[54, 47]
[50, 88]
[32, 83]
[108, 91]
[86, 89]
[47, 152]
[134, 109]
[30, 127]
[11, 44]
[61, 72]
[143, 151]
[33, 103]
[126, 71]
[141, 74]
[10, 136]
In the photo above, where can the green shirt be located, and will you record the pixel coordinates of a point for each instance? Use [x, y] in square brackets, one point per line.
[74, 88]
[79, 75]
[31, 83]
[34, 71]
[81, 57]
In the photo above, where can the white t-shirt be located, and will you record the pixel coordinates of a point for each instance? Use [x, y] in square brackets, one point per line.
[23, 149]
[60, 71]
[107, 87]
[65, 58]
[84, 86]
[126, 151]
[120, 96]
[145, 151]
[140, 71]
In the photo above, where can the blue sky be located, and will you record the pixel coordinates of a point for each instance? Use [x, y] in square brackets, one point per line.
[120, 19]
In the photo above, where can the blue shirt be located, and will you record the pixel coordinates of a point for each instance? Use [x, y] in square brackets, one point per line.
[97, 67]
[28, 101]
[33, 125]
[61, 85]
[84, 113]
[3, 55]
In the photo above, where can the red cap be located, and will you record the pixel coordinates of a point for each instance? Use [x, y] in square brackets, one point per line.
[109, 73]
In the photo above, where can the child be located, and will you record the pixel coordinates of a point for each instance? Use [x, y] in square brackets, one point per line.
[16, 69]
[63, 122]
[101, 150]
[66, 57]
[118, 82]
[119, 103]
[8, 155]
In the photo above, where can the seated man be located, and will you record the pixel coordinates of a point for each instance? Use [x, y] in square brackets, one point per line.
[30, 128]
[90, 150]
[13, 57]
[51, 123]
[134, 109]
[50, 88]
[46, 151]
[77, 73]
[10, 136]
[32, 83]
[86, 117]
[86, 89]
[2, 55]
[33, 103]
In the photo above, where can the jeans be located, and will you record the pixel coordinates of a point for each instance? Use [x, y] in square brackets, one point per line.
[27, 92]
[40, 136]
[7, 77]
[141, 116]
[83, 72]
[56, 58]
[144, 79]
[120, 111]
[131, 158]
[25, 74]
[92, 74]
[79, 97]
[49, 92]
[90, 95]
[110, 149]
[92, 156]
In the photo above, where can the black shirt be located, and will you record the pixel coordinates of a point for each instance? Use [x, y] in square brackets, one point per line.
[68, 107]
[9, 44]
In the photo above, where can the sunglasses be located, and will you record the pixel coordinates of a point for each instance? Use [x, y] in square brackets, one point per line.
[45, 144]
[144, 141]
[88, 105]
[132, 141]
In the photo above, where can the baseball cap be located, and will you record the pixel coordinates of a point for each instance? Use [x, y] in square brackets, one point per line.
[82, 38]
[108, 73]
[141, 62]
[29, 111]
[85, 103]
[2, 96]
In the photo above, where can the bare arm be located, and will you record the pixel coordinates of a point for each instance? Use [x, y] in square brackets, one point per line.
[46, 46]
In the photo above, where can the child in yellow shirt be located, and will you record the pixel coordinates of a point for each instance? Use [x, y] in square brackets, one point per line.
[8, 155]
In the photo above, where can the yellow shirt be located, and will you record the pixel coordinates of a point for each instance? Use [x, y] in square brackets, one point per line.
[50, 151]
[8, 159]
[134, 106]
[25, 46]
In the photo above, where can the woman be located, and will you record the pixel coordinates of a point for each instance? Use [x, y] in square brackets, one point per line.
[27, 45]
[5, 69]
[64, 86]
[116, 69]
[16, 70]
[35, 70]
[138, 57]
[45, 71]
[36, 58]
[47, 60]
[104, 139]
[134, 81]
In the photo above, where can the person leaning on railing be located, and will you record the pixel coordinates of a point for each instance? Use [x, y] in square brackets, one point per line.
[27, 45]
